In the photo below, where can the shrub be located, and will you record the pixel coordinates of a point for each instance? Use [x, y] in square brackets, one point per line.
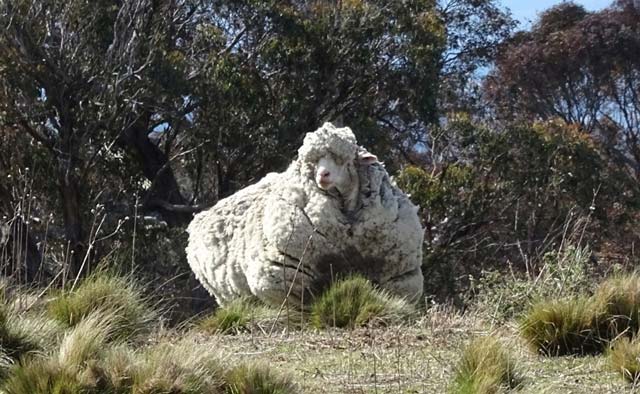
[354, 302]
[258, 379]
[484, 367]
[565, 326]
[500, 192]
[103, 291]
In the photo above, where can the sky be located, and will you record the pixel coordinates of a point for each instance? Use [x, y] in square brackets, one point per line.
[526, 11]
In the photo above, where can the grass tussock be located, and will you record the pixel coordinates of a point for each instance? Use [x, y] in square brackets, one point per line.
[63, 370]
[354, 302]
[184, 367]
[258, 379]
[21, 334]
[86, 340]
[233, 318]
[585, 324]
[103, 291]
[43, 376]
[624, 357]
[561, 327]
[619, 298]
[88, 361]
[485, 367]
[79, 342]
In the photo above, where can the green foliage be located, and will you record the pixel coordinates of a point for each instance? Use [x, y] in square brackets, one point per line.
[485, 367]
[108, 293]
[258, 379]
[562, 68]
[511, 195]
[624, 357]
[354, 302]
[437, 191]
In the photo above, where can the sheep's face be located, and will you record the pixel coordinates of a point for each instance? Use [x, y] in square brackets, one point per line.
[334, 173]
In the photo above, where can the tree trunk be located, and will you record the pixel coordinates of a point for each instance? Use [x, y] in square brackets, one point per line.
[72, 216]
[164, 191]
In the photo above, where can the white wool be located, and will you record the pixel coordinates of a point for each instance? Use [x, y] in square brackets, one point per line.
[285, 233]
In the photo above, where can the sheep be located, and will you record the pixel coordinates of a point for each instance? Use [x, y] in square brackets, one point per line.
[333, 211]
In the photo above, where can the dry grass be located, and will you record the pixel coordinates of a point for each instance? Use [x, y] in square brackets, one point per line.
[419, 358]
[404, 355]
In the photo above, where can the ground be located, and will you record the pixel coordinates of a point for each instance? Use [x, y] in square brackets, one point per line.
[416, 358]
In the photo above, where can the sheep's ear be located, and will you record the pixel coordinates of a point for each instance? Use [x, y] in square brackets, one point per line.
[367, 158]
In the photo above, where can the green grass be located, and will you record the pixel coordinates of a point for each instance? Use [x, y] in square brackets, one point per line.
[183, 367]
[43, 376]
[624, 357]
[231, 319]
[21, 333]
[87, 363]
[354, 302]
[62, 371]
[585, 324]
[86, 340]
[485, 367]
[619, 298]
[106, 292]
[561, 327]
[258, 379]
[393, 352]
[82, 346]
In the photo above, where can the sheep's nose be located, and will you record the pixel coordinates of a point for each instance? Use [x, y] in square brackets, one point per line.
[324, 173]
